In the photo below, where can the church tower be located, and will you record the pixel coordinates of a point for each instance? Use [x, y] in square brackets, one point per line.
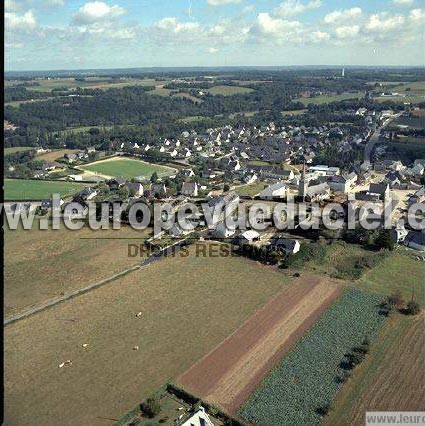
[303, 184]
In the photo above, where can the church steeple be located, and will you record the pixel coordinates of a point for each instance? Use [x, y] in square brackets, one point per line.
[302, 186]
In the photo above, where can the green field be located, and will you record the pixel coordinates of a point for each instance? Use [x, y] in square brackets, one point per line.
[251, 189]
[400, 271]
[414, 92]
[326, 99]
[23, 189]
[125, 167]
[308, 377]
[228, 90]
[14, 149]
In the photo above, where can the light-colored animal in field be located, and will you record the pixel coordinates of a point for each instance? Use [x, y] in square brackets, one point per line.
[135, 348]
[84, 345]
[138, 314]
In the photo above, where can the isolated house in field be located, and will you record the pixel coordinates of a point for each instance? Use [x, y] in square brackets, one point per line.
[199, 418]
[135, 188]
[285, 245]
[277, 190]
[415, 240]
[190, 189]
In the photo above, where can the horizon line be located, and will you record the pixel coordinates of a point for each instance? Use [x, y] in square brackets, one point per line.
[216, 67]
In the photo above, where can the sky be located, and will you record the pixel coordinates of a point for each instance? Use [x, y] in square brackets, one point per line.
[79, 34]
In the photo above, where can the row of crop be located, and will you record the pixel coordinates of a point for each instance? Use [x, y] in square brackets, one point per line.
[309, 377]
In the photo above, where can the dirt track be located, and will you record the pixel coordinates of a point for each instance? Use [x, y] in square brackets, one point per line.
[229, 374]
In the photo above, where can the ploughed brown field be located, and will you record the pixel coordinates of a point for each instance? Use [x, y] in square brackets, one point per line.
[400, 382]
[228, 375]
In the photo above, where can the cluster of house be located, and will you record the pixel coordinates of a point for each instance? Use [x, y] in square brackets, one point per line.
[79, 156]
[269, 143]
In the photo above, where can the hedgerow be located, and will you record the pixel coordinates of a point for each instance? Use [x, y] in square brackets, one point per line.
[309, 377]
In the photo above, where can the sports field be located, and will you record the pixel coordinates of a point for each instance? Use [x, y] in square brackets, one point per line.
[25, 189]
[182, 320]
[126, 167]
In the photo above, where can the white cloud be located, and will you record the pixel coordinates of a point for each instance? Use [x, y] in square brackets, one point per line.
[417, 15]
[222, 2]
[295, 7]
[212, 50]
[269, 25]
[403, 2]
[172, 24]
[97, 11]
[382, 22]
[347, 31]
[14, 21]
[338, 16]
[318, 36]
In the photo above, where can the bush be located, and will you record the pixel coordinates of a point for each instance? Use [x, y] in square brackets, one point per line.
[396, 299]
[151, 407]
[412, 308]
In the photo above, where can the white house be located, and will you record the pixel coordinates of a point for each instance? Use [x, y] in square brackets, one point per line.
[322, 170]
[199, 418]
[276, 190]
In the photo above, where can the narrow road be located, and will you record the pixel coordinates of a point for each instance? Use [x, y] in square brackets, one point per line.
[374, 140]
